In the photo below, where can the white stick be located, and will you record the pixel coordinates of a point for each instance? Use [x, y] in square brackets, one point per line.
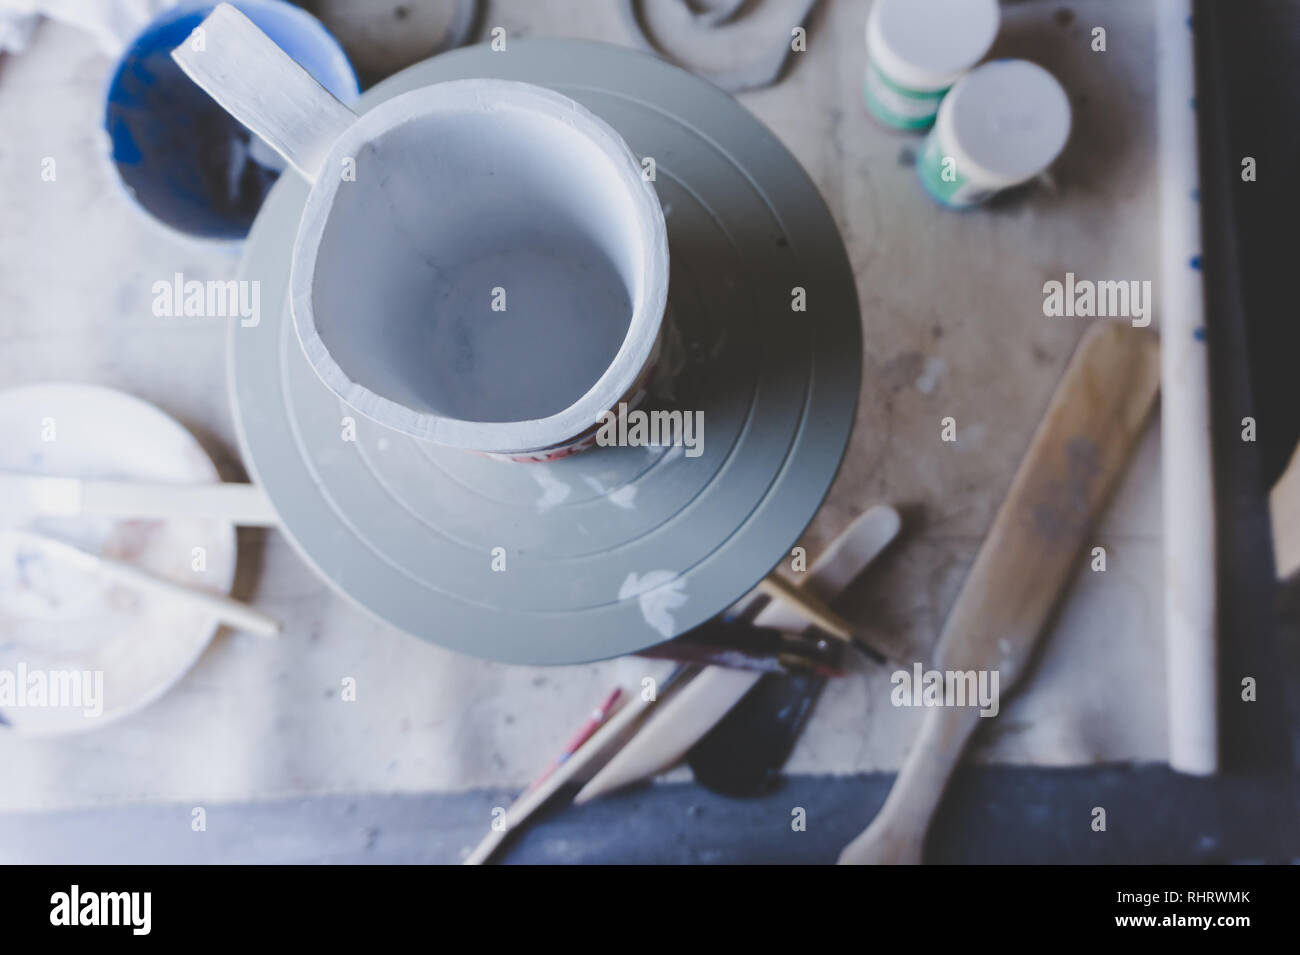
[1189, 546]
[227, 610]
[241, 504]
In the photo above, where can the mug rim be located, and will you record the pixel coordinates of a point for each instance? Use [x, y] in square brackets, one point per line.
[651, 296]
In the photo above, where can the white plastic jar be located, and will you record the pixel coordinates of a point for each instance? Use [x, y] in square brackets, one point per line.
[917, 49]
[1003, 124]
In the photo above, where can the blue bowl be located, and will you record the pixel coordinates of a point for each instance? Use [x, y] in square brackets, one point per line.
[181, 157]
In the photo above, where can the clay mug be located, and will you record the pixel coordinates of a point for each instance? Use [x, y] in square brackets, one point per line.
[479, 263]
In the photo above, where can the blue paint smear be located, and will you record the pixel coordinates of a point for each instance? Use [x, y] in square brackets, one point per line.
[181, 156]
[1195, 263]
[1199, 333]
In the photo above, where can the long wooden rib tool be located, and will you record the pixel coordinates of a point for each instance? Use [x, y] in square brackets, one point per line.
[1073, 461]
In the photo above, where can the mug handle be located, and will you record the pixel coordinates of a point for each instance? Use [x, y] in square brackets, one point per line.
[256, 82]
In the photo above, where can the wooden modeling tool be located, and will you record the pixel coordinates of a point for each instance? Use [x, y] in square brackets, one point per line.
[683, 720]
[1091, 425]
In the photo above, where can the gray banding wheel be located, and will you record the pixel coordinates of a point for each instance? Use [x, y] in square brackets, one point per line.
[409, 530]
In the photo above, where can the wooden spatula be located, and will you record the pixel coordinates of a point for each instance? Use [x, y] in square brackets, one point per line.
[1077, 453]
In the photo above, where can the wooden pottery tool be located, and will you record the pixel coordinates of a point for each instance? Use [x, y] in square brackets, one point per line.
[683, 720]
[1284, 511]
[1080, 448]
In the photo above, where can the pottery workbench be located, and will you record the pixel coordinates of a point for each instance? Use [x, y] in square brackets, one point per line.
[953, 326]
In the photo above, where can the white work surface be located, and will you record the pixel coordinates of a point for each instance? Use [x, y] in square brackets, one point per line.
[953, 326]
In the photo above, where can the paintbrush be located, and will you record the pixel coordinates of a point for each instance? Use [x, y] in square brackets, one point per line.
[743, 646]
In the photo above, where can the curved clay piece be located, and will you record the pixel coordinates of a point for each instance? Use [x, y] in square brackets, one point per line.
[763, 72]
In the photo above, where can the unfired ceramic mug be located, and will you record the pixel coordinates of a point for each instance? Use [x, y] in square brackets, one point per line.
[479, 263]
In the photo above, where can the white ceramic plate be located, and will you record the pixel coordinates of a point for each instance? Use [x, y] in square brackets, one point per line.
[59, 619]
